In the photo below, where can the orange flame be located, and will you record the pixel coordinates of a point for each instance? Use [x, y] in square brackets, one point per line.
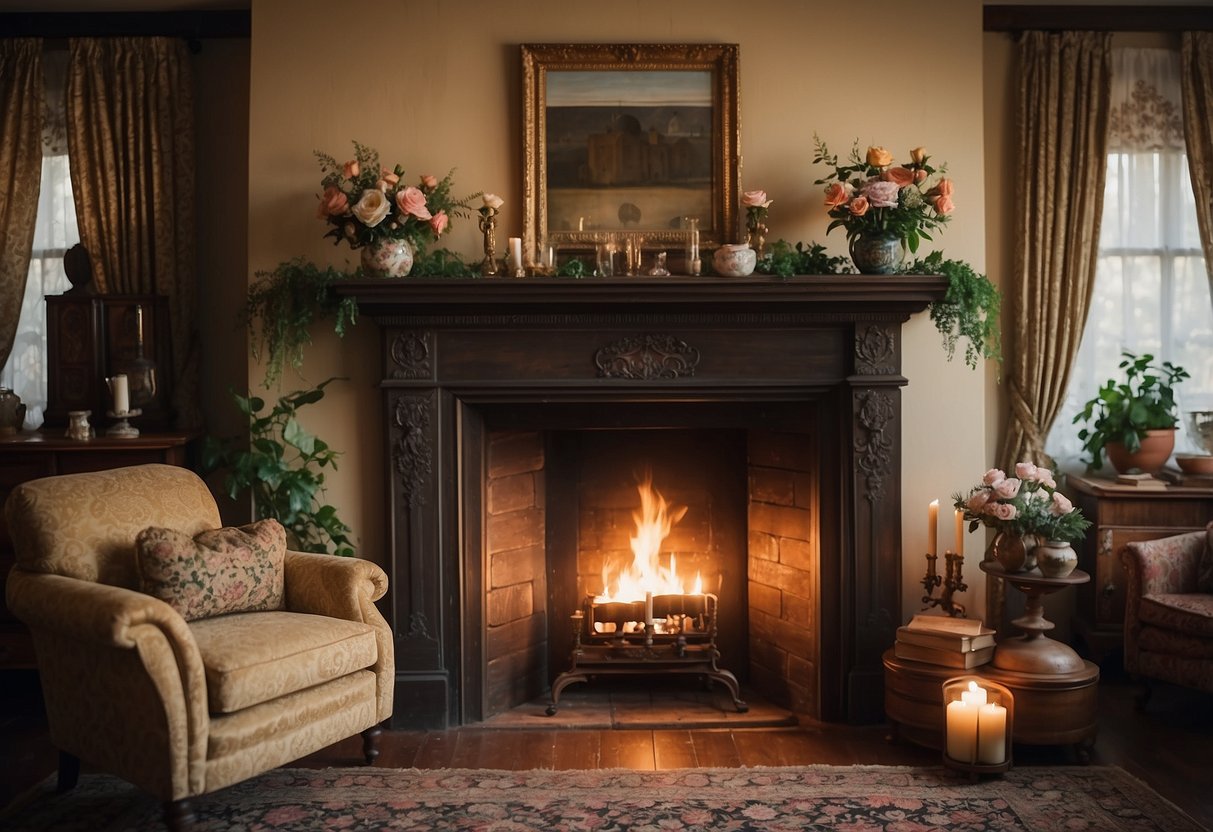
[645, 574]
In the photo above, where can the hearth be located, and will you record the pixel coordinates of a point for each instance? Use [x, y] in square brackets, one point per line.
[776, 401]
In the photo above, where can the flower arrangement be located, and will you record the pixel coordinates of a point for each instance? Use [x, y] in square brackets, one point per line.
[366, 202]
[872, 195]
[1027, 503]
[756, 204]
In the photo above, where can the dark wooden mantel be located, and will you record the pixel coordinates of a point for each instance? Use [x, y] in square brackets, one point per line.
[461, 356]
[904, 294]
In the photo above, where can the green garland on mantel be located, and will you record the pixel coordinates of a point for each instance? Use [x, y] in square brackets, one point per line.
[969, 310]
[284, 302]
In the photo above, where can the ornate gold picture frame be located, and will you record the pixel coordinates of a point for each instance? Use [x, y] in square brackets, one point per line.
[629, 139]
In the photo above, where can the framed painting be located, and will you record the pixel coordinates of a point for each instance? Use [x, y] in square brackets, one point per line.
[629, 139]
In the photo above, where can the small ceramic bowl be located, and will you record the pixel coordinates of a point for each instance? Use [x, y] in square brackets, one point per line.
[1199, 464]
[735, 260]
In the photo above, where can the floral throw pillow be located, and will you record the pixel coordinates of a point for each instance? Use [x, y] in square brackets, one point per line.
[215, 572]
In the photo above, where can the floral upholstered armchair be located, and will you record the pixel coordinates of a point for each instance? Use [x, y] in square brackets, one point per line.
[1169, 609]
[183, 657]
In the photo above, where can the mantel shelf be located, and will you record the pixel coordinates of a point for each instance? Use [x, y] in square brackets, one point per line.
[860, 295]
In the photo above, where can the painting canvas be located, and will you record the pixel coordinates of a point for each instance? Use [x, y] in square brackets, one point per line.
[628, 150]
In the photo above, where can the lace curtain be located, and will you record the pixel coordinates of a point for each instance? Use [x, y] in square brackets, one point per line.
[1151, 291]
[54, 232]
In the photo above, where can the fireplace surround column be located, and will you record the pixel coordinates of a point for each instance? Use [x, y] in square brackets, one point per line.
[457, 354]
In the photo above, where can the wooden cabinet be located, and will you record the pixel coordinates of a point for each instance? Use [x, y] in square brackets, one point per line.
[1122, 514]
[28, 456]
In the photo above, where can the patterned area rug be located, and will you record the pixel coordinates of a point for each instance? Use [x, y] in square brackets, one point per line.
[856, 799]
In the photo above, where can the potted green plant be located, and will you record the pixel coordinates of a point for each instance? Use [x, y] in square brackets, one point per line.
[1133, 420]
[283, 467]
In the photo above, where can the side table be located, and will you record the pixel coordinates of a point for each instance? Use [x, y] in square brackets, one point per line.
[1055, 690]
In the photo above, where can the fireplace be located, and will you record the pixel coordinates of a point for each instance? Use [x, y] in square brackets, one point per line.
[520, 416]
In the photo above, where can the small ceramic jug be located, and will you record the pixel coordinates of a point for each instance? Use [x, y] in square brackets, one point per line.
[78, 427]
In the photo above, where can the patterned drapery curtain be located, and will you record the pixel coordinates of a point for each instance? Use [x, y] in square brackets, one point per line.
[1063, 114]
[130, 114]
[1196, 82]
[20, 174]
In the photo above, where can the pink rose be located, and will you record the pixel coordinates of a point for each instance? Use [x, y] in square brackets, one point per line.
[993, 476]
[944, 188]
[943, 205]
[438, 223]
[858, 206]
[429, 183]
[1003, 511]
[388, 180]
[1061, 504]
[1045, 476]
[836, 194]
[412, 201]
[881, 194]
[978, 501]
[755, 199]
[919, 176]
[1025, 470]
[372, 207]
[350, 169]
[1007, 489]
[899, 176]
[333, 203]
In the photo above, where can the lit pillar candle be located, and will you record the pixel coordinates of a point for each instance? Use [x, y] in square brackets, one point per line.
[648, 612]
[960, 532]
[962, 724]
[933, 527]
[962, 731]
[992, 734]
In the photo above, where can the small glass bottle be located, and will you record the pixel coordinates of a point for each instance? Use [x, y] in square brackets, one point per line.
[693, 264]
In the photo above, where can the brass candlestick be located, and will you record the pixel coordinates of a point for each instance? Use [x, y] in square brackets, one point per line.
[488, 227]
[952, 582]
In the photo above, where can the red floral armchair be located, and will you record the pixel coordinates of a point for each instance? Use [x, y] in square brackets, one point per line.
[1169, 609]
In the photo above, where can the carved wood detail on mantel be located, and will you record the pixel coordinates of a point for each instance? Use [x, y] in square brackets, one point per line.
[453, 350]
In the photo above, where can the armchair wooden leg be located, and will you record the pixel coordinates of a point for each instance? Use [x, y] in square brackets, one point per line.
[370, 744]
[179, 815]
[69, 771]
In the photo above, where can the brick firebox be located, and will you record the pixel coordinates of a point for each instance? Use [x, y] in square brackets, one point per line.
[805, 371]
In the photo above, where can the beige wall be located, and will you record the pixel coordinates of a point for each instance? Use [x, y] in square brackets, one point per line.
[435, 85]
[221, 84]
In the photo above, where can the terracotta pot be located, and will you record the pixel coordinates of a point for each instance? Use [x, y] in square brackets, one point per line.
[1156, 447]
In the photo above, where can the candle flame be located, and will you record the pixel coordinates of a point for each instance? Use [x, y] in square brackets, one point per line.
[645, 574]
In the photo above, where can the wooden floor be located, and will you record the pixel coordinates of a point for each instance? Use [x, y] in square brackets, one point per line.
[1169, 746]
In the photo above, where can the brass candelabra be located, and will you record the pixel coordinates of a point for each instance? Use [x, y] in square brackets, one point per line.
[488, 227]
[951, 582]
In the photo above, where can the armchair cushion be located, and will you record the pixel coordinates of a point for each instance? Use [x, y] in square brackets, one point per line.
[214, 572]
[1189, 613]
[250, 658]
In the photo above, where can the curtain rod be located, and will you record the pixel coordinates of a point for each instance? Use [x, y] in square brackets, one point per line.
[1097, 18]
[193, 26]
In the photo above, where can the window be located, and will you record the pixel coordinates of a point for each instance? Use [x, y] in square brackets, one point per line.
[54, 232]
[1151, 291]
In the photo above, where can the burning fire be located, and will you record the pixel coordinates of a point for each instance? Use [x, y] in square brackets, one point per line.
[645, 575]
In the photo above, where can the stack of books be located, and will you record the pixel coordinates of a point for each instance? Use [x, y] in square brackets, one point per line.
[950, 642]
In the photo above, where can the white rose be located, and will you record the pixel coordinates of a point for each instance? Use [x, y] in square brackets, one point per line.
[493, 201]
[372, 207]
